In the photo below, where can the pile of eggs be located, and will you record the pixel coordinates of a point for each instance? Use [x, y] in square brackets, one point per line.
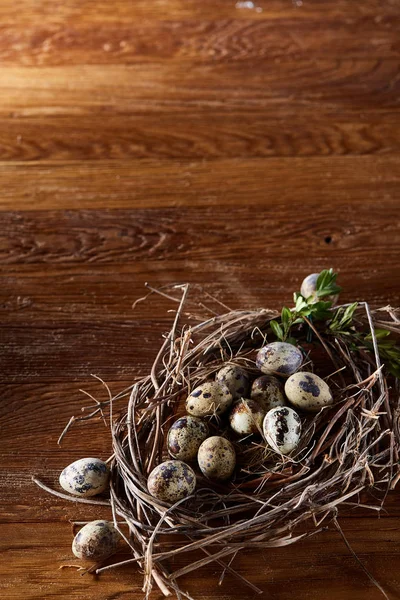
[266, 406]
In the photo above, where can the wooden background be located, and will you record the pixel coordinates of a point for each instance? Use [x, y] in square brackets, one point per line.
[171, 141]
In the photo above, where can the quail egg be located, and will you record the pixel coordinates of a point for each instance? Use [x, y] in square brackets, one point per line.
[308, 391]
[217, 458]
[282, 429]
[246, 417]
[171, 481]
[185, 436]
[309, 289]
[279, 358]
[209, 398]
[95, 541]
[267, 390]
[236, 380]
[85, 477]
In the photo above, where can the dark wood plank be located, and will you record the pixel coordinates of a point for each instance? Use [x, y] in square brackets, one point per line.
[202, 234]
[227, 182]
[309, 84]
[35, 553]
[195, 135]
[124, 11]
[228, 39]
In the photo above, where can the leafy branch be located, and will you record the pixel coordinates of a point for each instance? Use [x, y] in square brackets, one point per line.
[313, 307]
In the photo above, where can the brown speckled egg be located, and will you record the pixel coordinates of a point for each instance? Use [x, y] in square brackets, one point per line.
[308, 391]
[185, 437]
[279, 358]
[171, 481]
[217, 458]
[236, 380]
[209, 398]
[246, 417]
[309, 289]
[282, 429]
[267, 390]
[95, 541]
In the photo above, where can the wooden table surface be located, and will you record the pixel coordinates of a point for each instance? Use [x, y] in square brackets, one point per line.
[238, 147]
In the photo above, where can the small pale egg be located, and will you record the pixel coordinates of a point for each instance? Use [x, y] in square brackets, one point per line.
[267, 390]
[95, 541]
[246, 417]
[309, 289]
[279, 358]
[185, 436]
[209, 398]
[236, 380]
[282, 429]
[308, 391]
[217, 458]
[171, 481]
[85, 477]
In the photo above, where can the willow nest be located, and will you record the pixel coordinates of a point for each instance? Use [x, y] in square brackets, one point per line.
[346, 450]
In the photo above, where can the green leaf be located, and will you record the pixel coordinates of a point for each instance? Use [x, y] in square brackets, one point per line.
[379, 334]
[291, 340]
[300, 303]
[286, 318]
[277, 329]
[297, 321]
[326, 284]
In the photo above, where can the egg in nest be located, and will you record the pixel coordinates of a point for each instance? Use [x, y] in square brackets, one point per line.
[308, 391]
[209, 398]
[282, 429]
[171, 481]
[236, 380]
[279, 358]
[267, 391]
[185, 437]
[217, 458]
[246, 417]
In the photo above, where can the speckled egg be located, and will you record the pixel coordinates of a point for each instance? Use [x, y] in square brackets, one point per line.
[85, 477]
[217, 458]
[308, 391]
[267, 391]
[282, 429]
[309, 289]
[236, 380]
[279, 358]
[209, 398]
[246, 417]
[171, 481]
[185, 437]
[95, 541]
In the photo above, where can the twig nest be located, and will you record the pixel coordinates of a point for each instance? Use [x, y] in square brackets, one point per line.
[246, 417]
[217, 458]
[267, 391]
[282, 429]
[95, 541]
[85, 477]
[209, 398]
[308, 391]
[279, 358]
[171, 481]
[185, 437]
[236, 380]
[309, 289]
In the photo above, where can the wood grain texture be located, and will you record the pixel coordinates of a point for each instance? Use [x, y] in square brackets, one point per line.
[131, 184]
[168, 141]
